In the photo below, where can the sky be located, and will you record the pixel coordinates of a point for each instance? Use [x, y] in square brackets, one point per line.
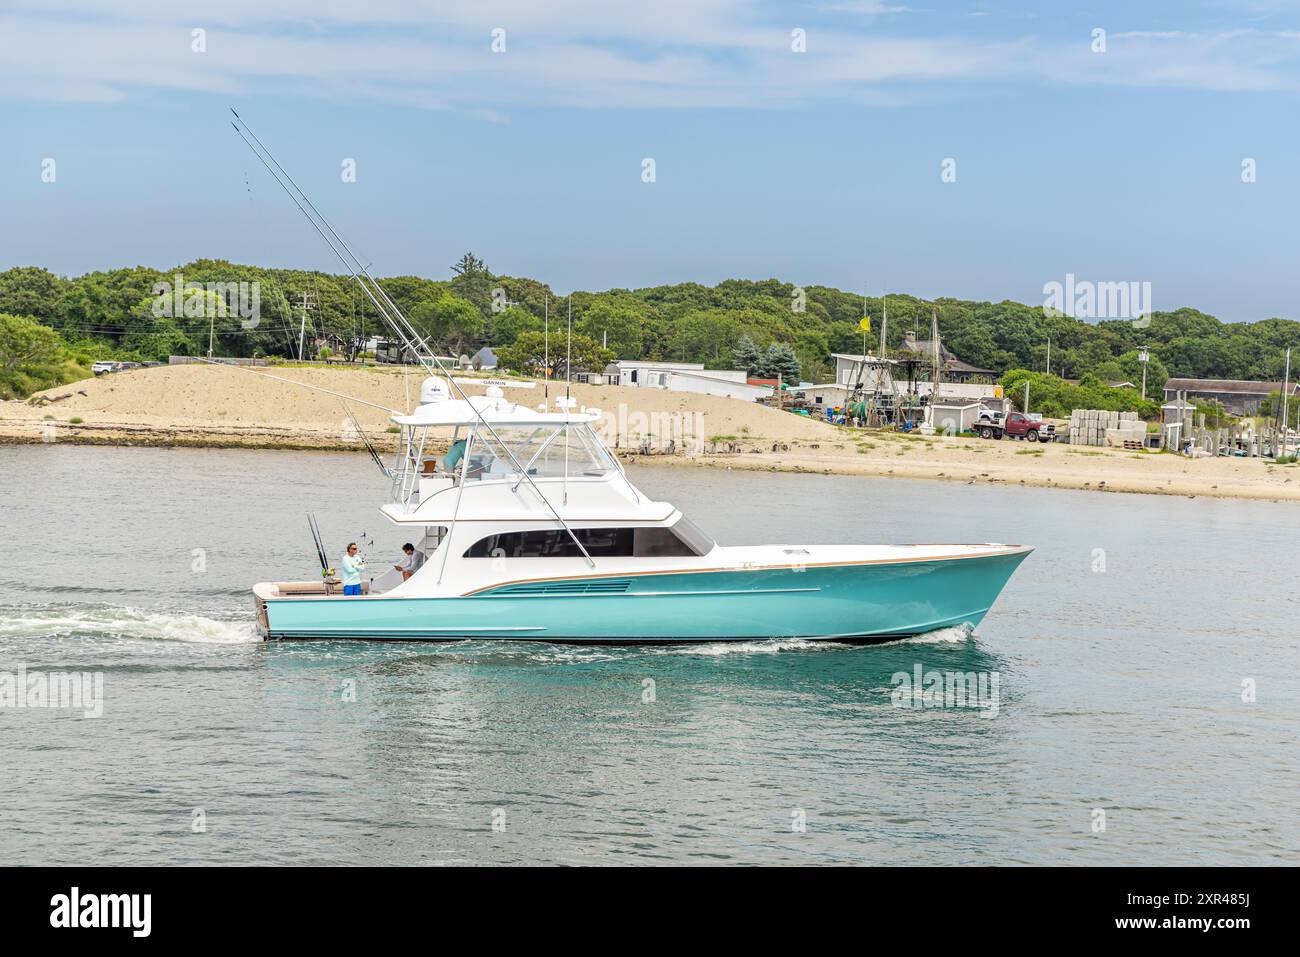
[979, 150]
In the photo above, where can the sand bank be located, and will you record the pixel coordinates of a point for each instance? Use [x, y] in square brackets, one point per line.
[199, 405]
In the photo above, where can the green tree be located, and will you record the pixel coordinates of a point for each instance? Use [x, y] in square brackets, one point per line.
[30, 291]
[25, 342]
[705, 336]
[449, 323]
[617, 325]
[513, 322]
[527, 355]
[747, 356]
[781, 363]
[34, 357]
[473, 283]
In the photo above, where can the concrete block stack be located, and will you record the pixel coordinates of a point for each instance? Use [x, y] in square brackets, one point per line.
[1101, 427]
[1095, 427]
[1130, 433]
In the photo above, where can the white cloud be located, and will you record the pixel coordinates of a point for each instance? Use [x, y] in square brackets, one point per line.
[575, 53]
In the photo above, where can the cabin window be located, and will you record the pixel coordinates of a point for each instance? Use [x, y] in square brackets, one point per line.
[545, 451]
[599, 542]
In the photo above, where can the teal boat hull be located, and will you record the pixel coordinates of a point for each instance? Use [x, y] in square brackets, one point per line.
[847, 602]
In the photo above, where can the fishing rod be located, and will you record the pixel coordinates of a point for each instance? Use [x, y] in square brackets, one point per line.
[388, 310]
[320, 547]
[568, 402]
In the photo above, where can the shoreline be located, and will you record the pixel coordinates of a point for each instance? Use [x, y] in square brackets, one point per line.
[212, 407]
[796, 458]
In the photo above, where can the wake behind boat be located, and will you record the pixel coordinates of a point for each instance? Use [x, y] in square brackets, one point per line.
[538, 534]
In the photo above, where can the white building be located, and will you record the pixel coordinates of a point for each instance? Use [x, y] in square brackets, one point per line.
[643, 372]
[828, 395]
[964, 390]
[707, 383]
[685, 377]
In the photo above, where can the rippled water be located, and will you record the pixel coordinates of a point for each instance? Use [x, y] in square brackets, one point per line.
[1121, 647]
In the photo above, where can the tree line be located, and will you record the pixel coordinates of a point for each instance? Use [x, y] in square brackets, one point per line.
[771, 327]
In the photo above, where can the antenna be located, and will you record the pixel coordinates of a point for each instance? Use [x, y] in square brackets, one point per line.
[884, 321]
[568, 402]
[388, 309]
[938, 368]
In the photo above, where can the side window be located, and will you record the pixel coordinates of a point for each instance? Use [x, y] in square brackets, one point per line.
[599, 542]
[554, 543]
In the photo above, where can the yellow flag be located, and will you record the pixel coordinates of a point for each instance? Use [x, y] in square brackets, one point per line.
[865, 324]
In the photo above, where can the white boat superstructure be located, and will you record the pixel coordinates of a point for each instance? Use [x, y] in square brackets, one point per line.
[532, 528]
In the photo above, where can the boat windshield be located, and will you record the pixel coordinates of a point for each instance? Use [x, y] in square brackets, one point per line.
[543, 451]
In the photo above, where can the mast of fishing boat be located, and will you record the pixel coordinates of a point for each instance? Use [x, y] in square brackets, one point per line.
[884, 321]
[865, 326]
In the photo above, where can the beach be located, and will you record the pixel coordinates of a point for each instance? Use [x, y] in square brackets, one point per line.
[217, 407]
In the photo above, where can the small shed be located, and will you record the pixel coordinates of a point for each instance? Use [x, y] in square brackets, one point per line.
[1177, 410]
[951, 417]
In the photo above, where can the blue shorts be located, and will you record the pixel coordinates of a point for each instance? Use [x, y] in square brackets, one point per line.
[352, 589]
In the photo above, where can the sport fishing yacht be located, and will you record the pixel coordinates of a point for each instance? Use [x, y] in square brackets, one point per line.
[537, 533]
[532, 531]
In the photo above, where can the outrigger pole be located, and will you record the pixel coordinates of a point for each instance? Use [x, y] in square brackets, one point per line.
[387, 309]
[568, 374]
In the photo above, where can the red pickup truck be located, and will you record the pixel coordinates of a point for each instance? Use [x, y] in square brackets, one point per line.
[994, 425]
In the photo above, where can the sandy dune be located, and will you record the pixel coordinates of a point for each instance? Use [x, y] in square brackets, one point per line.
[210, 406]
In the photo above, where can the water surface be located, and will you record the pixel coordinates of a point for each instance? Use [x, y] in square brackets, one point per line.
[1121, 646]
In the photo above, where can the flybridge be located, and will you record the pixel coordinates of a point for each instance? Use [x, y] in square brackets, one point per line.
[395, 319]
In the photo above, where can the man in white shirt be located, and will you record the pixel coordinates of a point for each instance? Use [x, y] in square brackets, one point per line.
[352, 567]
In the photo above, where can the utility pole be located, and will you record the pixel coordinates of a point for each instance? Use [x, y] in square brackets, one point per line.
[938, 365]
[1144, 357]
[1286, 387]
[211, 321]
[1049, 355]
[302, 326]
[1026, 397]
